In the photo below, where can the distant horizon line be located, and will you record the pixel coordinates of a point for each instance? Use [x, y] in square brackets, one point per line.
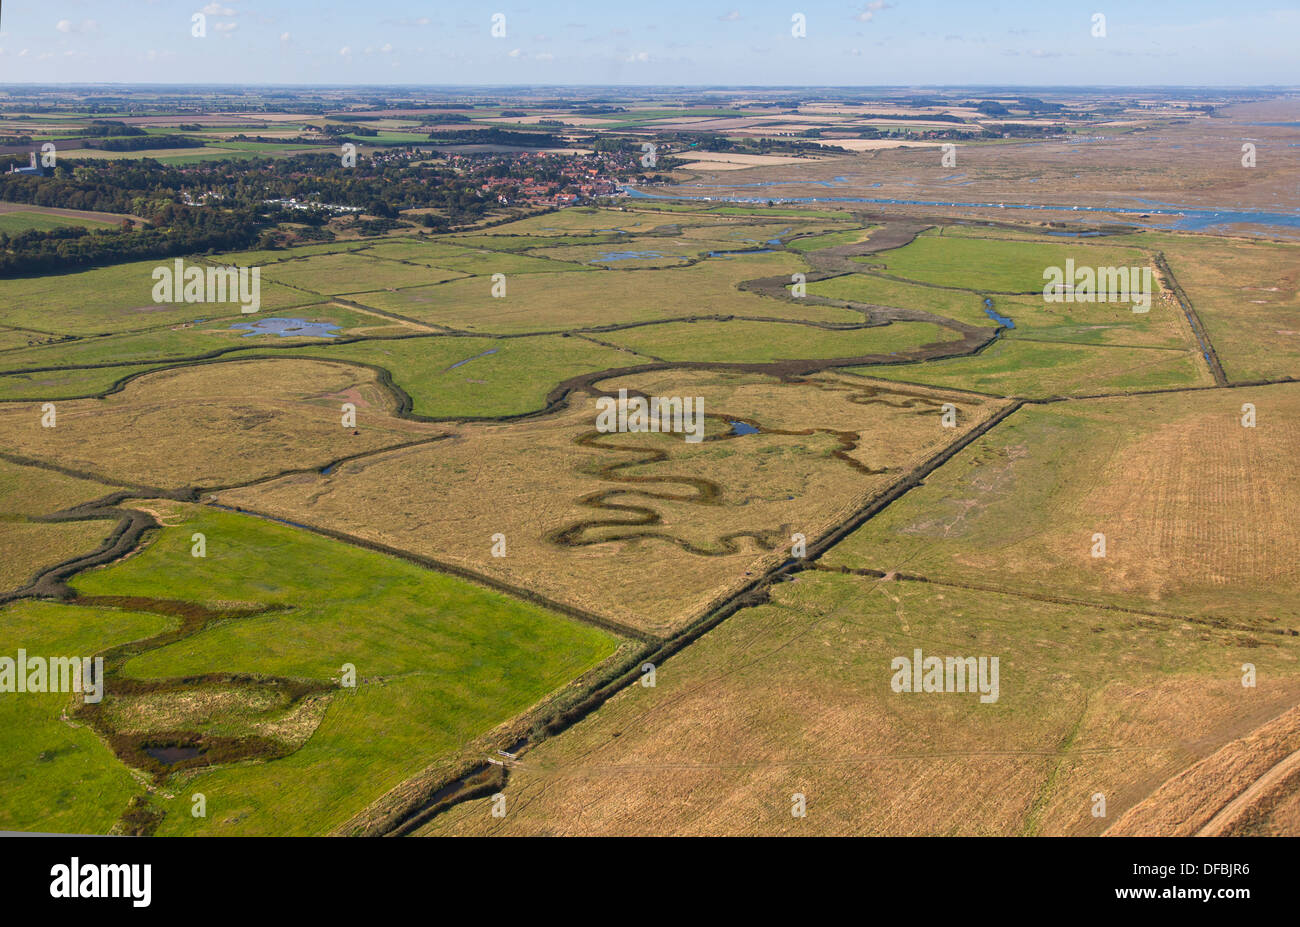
[1287, 88]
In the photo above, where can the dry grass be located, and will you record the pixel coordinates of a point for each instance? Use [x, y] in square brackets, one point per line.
[794, 696]
[1198, 511]
[530, 480]
[1185, 804]
[27, 546]
[215, 424]
[1247, 295]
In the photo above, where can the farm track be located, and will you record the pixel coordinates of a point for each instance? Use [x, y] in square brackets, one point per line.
[1234, 811]
[1227, 790]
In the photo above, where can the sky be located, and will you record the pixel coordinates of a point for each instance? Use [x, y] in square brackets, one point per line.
[667, 42]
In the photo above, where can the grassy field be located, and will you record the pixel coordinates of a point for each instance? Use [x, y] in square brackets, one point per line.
[1118, 672]
[187, 340]
[1195, 517]
[115, 299]
[993, 266]
[59, 777]
[563, 301]
[1163, 325]
[26, 545]
[335, 274]
[1246, 294]
[439, 662]
[216, 424]
[63, 384]
[445, 376]
[1037, 370]
[480, 377]
[586, 220]
[11, 223]
[633, 254]
[831, 239]
[751, 342]
[795, 697]
[512, 241]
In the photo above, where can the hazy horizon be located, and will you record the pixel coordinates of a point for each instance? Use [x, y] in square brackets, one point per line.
[908, 43]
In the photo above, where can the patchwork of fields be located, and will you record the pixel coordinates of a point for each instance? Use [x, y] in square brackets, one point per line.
[365, 561]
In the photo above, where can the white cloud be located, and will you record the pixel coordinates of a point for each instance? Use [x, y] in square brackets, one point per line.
[870, 10]
[67, 26]
[545, 56]
[731, 17]
[284, 36]
[216, 9]
[516, 52]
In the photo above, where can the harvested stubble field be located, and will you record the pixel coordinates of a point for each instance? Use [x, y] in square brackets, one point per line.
[737, 500]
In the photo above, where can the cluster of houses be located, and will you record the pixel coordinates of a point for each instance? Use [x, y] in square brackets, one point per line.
[556, 181]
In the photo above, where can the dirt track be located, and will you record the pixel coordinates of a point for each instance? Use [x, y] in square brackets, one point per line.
[1231, 813]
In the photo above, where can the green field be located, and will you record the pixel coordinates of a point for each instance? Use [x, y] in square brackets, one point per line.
[116, 299]
[335, 274]
[57, 777]
[439, 662]
[242, 650]
[1037, 370]
[830, 240]
[449, 377]
[22, 221]
[756, 342]
[988, 265]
